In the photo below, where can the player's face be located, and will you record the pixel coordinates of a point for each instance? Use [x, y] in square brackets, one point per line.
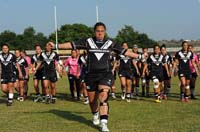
[38, 50]
[185, 46]
[191, 49]
[5, 49]
[163, 51]
[135, 50]
[125, 46]
[100, 32]
[17, 53]
[157, 50]
[48, 47]
[74, 54]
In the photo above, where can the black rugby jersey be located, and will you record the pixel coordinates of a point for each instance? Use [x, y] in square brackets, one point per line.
[184, 60]
[48, 61]
[8, 62]
[35, 59]
[99, 52]
[156, 62]
[22, 64]
[125, 63]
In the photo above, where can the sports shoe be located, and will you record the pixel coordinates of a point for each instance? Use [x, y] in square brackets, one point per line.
[37, 99]
[186, 99]
[47, 100]
[123, 96]
[132, 95]
[113, 96]
[9, 103]
[157, 101]
[21, 99]
[128, 100]
[95, 119]
[86, 101]
[53, 100]
[104, 127]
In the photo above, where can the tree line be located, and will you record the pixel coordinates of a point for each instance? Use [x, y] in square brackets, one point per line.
[70, 32]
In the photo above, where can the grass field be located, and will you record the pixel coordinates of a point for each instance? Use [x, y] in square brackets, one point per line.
[67, 116]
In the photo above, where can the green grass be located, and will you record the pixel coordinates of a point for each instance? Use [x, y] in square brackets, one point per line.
[66, 116]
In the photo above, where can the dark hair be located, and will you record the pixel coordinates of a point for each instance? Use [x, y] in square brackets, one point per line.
[184, 42]
[144, 48]
[5, 44]
[99, 24]
[37, 45]
[156, 45]
[24, 51]
[163, 46]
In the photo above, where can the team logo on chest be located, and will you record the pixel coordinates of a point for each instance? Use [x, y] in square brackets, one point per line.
[99, 52]
[5, 60]
[155, 61]
[185, 58]
[49, 59]
[124, 58]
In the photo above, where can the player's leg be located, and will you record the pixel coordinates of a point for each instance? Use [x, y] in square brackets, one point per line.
[10, 93]
[123, 87]
[46, 87]
[71, 79]
[128, 90]
[104, 106]
[182, 88]
[156, 85]
[21, 90]
[85, 93]
[78, 83]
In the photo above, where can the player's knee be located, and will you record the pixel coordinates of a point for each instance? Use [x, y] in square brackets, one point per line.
[103, 97]
[187, 87]
[156, 83]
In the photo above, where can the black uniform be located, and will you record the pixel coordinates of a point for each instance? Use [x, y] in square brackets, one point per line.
[34, 60]
[113, 60]
[8, 72]
[168, 60]
[98, 61]
[23, 64]
[48, 62]
[155, 63]
[184, 63]
[83, 64]
[125, 64]
[138, 61]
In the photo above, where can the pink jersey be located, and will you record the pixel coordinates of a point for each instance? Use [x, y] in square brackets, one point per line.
[195, 58]
[28, 59]
[72, 63]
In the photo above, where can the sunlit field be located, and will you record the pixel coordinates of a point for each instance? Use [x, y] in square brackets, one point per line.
[70, 116]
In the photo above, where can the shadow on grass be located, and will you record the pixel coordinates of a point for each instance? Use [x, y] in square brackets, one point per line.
[73, 116]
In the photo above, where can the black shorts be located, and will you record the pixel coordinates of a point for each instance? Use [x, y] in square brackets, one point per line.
[93, 80]
[194, 75]
[136, 75]
[8, 79]
[126, 74]
[52, 77]
[115, 75]
[165, 76]
[186, 74]
[38, 76]
[158, 75]
[82, 77]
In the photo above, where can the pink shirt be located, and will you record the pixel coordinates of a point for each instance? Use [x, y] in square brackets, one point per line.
[195, 58]
[73, 66]
[28, 59]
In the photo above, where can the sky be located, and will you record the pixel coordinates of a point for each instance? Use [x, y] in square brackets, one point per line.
[160, 19]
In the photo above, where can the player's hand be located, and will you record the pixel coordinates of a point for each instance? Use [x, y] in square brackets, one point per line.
[20, 75]
[77, 76]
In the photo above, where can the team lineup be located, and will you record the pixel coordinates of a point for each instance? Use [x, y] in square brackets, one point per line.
[94, 72]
